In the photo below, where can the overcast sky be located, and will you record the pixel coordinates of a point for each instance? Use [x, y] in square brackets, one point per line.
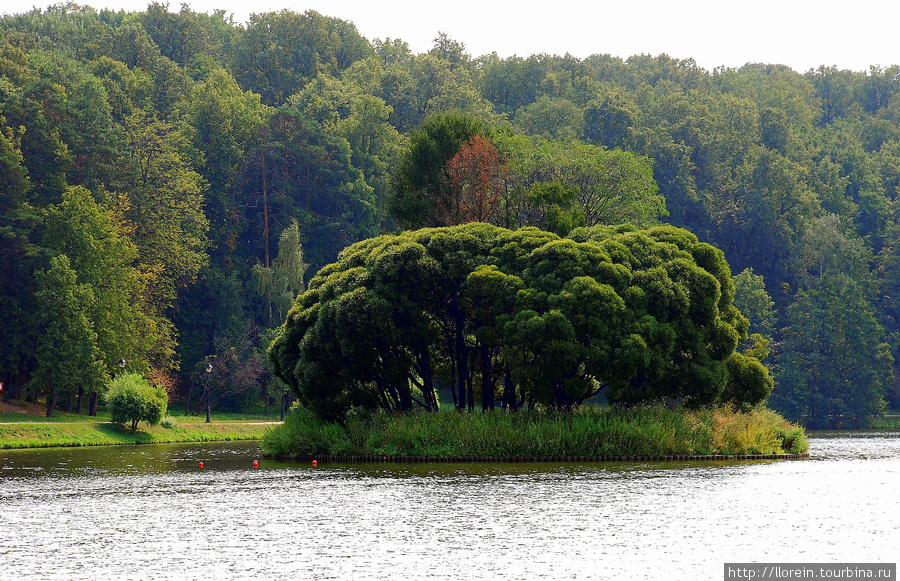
[802, 34]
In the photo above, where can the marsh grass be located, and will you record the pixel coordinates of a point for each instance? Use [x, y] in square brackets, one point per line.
[651, 430]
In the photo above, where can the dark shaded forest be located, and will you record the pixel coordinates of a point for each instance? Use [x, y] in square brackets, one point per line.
[169, 181]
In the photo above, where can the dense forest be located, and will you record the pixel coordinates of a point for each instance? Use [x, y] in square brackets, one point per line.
[170, 181]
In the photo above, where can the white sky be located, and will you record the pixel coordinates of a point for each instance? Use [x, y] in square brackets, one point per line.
[802, 34]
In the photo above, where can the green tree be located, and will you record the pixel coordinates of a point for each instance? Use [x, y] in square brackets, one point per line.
[280, 283]
[102, 257]
[69, 360]
[611, 121]
[279, 52]
[637, 315]
[834, 366]
[131, 400]
[223, 121]
[511, 83]
[420, 184]
[551, 118]
[164, 208]
[18, 259]
[609, 187]
[751, 298]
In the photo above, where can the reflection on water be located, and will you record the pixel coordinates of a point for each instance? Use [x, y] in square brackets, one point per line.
[150, 512]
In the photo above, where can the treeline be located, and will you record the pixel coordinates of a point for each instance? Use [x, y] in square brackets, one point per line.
[153, 164]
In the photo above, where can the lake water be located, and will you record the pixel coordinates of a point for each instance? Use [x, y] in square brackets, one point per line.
[149, 512]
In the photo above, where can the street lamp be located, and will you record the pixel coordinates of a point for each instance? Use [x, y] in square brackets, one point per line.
[208, 371]
[122, 364]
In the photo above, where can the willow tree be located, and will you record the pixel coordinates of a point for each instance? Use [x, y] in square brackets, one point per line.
[634, 314]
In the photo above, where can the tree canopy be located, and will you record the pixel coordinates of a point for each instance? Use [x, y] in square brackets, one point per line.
[199, 141]
[519, 318]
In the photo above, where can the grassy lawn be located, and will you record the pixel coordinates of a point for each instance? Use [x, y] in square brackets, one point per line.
[25, 426]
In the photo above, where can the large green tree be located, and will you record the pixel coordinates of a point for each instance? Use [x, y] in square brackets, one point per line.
[69, 360]
[835, 368]
[634, 314]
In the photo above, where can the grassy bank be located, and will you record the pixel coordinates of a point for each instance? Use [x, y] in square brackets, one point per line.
[890, 421]
[642, 431]
[23, 427]
[58, 434]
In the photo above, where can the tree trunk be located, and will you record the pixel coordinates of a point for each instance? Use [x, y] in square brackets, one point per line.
[51, 402]
[428, 382]
[487, 380]
[462, 363]
[509, 391]
[470, 390]
[95, 400]
[70, 402]
[80, 400]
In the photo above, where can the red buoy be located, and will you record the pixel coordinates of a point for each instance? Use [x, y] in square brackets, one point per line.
[315, 463]
[201, 464]
[256, 463]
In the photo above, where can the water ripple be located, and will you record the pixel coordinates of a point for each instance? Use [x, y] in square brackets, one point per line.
[151, 513]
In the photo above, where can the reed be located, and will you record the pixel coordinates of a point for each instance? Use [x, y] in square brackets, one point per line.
[650, 430]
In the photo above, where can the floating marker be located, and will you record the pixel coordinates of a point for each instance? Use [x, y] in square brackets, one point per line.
[256, 463]
[201, 464]
[315, 463]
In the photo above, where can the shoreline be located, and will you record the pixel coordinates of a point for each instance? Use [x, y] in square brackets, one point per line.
[384, 459]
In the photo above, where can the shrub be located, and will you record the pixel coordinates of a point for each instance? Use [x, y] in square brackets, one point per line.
[132, 399]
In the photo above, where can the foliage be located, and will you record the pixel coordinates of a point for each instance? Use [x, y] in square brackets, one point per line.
[200, 140]
[421, 194]
[637, 315]
[131, 399]
[68, 355]
[835, 368]
[751, 298]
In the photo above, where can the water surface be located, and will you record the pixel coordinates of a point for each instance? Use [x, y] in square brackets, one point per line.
[149, 512]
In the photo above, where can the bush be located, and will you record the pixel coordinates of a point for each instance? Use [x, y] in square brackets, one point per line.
[132, 399]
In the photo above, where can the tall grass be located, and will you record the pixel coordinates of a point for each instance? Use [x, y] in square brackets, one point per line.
[651, 430]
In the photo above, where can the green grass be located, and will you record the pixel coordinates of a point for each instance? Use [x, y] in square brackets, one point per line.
[58, 417]
[49, 435]
[890, 421]
[176, 410]
[253, 413]
[28, 430]
[642, 431]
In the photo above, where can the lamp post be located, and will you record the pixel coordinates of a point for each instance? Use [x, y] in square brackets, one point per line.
[208, 371]
[122, 364]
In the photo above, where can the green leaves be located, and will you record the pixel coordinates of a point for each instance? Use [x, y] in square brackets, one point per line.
[558, 320]
[68, 356]
[131, 399]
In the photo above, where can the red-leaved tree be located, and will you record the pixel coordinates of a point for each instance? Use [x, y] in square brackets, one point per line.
[474, 177]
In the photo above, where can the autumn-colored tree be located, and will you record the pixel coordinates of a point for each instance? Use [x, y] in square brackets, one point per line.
[475, 175]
